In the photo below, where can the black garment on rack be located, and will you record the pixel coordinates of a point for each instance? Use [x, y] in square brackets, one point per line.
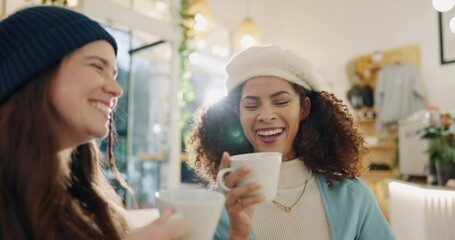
[367, 96]
[355, 97]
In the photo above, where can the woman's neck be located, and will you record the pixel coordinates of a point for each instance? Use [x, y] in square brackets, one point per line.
[65, 157]
[289, 156]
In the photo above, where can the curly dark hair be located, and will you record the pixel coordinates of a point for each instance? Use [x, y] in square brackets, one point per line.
[328, 140]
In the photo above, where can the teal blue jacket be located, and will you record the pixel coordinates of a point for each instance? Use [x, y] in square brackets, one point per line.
[351, 209]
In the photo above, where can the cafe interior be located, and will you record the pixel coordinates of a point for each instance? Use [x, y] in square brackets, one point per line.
[171, 60]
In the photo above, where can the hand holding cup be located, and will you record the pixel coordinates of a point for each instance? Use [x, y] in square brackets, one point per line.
[201, 208]
[265, 170]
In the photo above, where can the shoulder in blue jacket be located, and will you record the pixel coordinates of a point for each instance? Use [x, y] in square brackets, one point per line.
[351, 209]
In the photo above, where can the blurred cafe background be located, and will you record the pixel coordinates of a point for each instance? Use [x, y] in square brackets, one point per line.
[392, 62]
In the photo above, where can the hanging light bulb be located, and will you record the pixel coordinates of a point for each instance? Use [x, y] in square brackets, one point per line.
[452, 25]
[200, 23]
[443, 5]
[247, 34]
[247, 41]
[62, 3]
[72, 3]
[160, 5]
[202, 18]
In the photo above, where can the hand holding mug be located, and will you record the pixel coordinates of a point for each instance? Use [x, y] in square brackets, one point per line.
[165, 228]
[242, 193]
[201, 207]
[265, 169]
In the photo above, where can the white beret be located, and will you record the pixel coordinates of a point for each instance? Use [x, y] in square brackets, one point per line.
[271, 60]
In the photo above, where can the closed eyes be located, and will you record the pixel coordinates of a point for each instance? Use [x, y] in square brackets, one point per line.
[277, 103]
[102, 64]
[98, 66]
[250, 107]
[282, 103]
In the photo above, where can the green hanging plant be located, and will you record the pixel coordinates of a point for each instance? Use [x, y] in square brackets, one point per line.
[62, 3]
[186, 88]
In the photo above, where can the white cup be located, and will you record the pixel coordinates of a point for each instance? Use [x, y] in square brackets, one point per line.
[265, 169]
[202, 208]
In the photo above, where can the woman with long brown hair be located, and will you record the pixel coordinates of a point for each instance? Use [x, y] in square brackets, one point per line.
[57, 94]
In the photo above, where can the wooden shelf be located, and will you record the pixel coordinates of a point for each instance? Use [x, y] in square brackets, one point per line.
[366, 121]
[381, 174]
[377, 182]
[384, 147]
[143, 156]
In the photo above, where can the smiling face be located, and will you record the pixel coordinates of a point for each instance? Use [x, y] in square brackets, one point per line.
[83, 93]
[270, 113]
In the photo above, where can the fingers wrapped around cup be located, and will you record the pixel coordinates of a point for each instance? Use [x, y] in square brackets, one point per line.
[244, 169]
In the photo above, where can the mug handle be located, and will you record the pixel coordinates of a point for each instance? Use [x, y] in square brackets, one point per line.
[220, 176]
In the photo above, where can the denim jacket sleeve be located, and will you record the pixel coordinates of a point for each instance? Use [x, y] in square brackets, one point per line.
[352, 211]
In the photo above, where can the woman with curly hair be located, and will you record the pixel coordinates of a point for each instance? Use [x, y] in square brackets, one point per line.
[274, 104]
[58, 90]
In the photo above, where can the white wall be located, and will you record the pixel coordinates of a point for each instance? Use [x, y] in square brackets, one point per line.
[330, 33]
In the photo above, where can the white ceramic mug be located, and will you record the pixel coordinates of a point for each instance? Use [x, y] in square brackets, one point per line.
[265, 169]
[201, 207]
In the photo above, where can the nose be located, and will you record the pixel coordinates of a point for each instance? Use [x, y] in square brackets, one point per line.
[113, 88]
[266, 114]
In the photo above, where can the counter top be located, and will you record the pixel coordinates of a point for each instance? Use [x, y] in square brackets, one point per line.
[420, 211]
[400, 183]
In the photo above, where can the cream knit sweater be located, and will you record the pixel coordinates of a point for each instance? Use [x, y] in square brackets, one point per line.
[306, 220]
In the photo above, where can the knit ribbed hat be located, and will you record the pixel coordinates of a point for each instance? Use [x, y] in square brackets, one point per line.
[36, 38]
[271, 60]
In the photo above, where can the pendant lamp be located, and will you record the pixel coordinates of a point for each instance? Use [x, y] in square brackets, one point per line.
[202, 18]
[247, 33]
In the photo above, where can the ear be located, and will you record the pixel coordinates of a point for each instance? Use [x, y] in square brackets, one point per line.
[305, 108]
[237, 111]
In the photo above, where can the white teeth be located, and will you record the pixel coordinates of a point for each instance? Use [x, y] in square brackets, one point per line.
[270, 132]
[101, 107]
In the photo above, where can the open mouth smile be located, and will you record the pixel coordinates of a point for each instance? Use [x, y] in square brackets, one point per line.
[270, 135]
[101, 107]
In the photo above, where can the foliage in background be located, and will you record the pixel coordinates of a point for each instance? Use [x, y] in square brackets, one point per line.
[62, 3]
[186, 88]
[441, 137]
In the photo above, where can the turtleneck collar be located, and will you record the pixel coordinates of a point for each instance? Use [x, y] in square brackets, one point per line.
[293, 173]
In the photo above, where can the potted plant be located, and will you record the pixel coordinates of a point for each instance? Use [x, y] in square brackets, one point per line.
[440, 132]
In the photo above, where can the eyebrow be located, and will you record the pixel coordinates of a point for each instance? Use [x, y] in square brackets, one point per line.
[271, 96]
[104, 61]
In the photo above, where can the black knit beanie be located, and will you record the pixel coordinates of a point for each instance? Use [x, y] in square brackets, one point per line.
[36, 38]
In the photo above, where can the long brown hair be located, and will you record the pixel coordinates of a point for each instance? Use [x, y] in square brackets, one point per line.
[37, 199]
[328, 141]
